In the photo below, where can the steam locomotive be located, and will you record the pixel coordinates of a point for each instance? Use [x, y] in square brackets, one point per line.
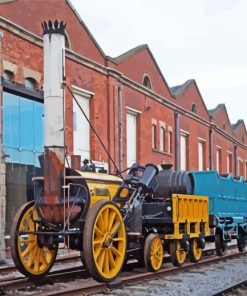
[149, 212]
[111, 219]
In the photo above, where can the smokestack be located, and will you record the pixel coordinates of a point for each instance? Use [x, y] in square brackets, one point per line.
[54, 61]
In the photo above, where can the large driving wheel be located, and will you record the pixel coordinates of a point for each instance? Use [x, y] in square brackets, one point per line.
[195, 251]
[30, 258]
[178, 255]
[153, 252]
[104, 241]
[220, 245]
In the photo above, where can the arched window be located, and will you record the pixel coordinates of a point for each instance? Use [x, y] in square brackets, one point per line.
[67, 40]
[243, 139]
[154, 137]
[194, 108]
[147, 81]
[8, 76]
[224, 126]
[30, 83]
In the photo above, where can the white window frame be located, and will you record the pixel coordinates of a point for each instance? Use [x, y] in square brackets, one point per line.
[87, 95]
[218, 158]
[228, 165]
[136, 113]
[183, 162]
[240, 161]
[203, 142]
[169, 140]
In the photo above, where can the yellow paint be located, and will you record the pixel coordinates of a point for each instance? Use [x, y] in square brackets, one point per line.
[35, 259]
[156, 253]
[101, 182]
[180, 253]
[196, 250]
[189, 211]
[108, 250]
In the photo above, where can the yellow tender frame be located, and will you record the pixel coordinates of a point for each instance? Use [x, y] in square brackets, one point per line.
[189, 210]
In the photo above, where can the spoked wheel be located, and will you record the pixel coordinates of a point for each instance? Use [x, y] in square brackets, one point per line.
[241, 244]
[195, 251]
[104, 241]
[220, 246]
[178, 255]
[30, 258]
[83, 259]
[153, 252]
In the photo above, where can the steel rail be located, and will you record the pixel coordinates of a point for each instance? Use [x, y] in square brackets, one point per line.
[89, 289]
[71, 273]
[12, 268]
[231, 288]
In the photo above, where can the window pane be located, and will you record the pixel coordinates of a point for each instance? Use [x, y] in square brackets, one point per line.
[81, 134]
[11, 120]
[131, 130]
[200, 155]
[183, 153]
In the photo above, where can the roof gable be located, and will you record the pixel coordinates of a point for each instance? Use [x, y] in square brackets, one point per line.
[187, 95]
[240, 131]
[36, 12]
[139, 61]
[220, 117]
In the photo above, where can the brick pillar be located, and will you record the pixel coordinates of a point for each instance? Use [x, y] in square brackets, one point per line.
[2, 164]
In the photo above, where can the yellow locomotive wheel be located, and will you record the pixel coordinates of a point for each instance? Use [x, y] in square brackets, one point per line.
[153, 252]
[178, 255]
[104, 247]
[30, 258]
[195, 251]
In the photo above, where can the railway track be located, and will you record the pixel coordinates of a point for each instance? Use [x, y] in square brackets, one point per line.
[12, 268]
[232, 288]
[78, 272]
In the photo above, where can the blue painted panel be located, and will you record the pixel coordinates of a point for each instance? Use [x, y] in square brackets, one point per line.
[227, 196]
[38, 127]
[26, 130]
[23, 129]
[11, 120]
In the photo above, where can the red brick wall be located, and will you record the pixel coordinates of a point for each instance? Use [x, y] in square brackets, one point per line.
[196, 131]
[189, 96]
[103, 105]
[221, 119]
[137, 65]
[38, 11]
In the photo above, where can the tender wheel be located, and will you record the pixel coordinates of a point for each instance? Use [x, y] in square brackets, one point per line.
[195, 251]
[241, 244]
[153, 252]
[31, 259]
[220, 246]
[178, 255]
[104, 253]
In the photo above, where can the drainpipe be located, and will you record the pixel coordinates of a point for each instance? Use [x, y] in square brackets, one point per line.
[177, 134]
[54, 161]
[120, 126]
[235, 160]
[211, 148]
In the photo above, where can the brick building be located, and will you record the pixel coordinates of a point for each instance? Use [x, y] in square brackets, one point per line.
[138, 116]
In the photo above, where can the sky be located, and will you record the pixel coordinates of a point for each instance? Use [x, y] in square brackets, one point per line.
[205, 40]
